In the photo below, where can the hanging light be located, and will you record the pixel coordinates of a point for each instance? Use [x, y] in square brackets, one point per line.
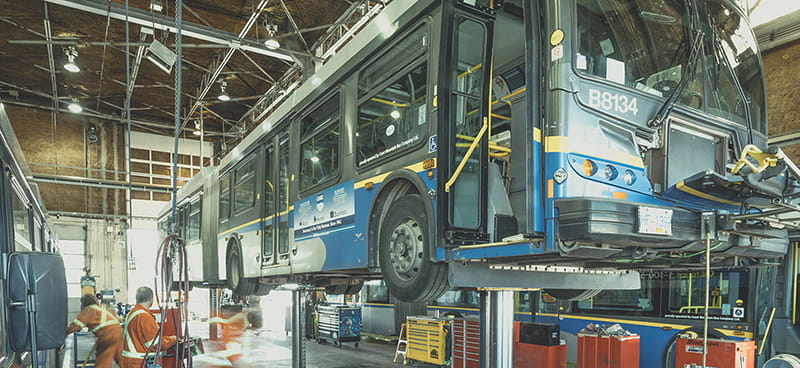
[271, 42]
[223, 95]
[71, 66]
[197, 130]
[395, 114]
[74, 106]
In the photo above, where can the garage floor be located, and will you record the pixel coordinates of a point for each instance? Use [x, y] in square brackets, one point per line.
[273, 349]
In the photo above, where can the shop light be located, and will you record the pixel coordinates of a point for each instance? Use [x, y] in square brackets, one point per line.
[223, 95]
[74, 106]
[71, 66]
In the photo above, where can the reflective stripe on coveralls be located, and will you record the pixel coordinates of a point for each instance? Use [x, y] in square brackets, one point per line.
[106, 317]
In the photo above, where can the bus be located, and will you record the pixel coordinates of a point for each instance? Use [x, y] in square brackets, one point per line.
[25, 227]
[574, 143]
[668, 304]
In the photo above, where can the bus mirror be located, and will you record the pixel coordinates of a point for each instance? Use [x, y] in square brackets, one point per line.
[37, 301]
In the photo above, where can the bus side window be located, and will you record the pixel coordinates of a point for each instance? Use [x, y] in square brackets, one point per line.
[225, 198]
[193, 221]
[320, 148]
[244, 189]
[22, 226]
[392, 112]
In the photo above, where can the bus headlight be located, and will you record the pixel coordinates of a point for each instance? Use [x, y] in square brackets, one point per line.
[629, 177]
[610, 172]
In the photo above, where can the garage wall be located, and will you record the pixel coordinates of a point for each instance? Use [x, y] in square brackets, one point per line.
[105, 252]
[782, 70]
[62, 149]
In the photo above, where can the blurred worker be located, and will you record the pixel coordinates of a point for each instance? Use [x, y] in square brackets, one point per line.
[232, 329]
[141, 334]
[105, 326]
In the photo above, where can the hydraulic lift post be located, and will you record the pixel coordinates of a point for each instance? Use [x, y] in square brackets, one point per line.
[298, 335]
[497, 321]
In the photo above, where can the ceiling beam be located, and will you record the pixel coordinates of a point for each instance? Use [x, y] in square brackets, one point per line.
[784, 139]
[164, 23]
[219, 64]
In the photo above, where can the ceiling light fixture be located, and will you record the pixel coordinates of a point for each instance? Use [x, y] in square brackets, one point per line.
[197, 130]
[74, 106]
[161, 55]
[272, 29]
[156, 6]
[223, 95]
[71, 66]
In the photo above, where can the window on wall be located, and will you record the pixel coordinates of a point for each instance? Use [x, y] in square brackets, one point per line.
[320, 147]
[244, 191]
[225, 198]
[193, 221]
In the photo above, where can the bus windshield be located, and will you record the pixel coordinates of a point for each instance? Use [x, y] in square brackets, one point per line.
[645, 44]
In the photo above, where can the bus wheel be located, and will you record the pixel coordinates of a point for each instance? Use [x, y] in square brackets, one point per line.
[337, 289]
[573, 294]
[354, 289]
[404, 253]
[236, 281]
[262, 289]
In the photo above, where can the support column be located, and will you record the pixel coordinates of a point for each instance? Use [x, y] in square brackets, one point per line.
[503, 323]
[298, 335]
[486, 330]
[213, 304]
[497, 328]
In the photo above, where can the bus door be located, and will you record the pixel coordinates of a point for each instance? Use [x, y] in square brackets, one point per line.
[463, 122]
[275, 246]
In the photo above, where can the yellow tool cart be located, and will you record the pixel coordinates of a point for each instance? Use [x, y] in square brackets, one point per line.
[427, 339]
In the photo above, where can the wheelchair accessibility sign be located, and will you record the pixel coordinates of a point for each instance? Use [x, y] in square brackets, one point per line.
[432, 147]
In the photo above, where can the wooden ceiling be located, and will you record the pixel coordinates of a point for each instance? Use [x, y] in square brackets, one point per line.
[25, 75]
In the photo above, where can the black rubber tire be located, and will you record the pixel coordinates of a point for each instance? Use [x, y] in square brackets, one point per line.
[262, 289]
[573, 294]
[337, 289]
[354, 289]
[235, 272]
[429, 279]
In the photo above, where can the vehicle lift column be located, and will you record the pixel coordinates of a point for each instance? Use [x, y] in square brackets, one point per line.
[497, 328]
[298, 334]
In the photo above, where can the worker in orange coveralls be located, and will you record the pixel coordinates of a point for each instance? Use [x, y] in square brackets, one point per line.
[141, 334]
[232, 329]
[105, 326]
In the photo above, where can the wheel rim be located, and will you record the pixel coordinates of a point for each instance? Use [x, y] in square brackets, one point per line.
[405, 249]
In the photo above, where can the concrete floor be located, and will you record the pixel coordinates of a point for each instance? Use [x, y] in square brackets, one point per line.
[273, 349]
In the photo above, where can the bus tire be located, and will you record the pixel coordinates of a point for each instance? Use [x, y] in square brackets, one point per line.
[354, 289]
[337, 289]
[235, 272]
[573, 294]
[404, 247]
[262, 289]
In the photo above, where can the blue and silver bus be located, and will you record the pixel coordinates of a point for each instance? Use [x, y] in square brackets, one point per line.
[512, 143]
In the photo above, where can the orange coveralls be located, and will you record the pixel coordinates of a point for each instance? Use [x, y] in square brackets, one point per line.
[105, 326]
[232, 329]
[141, 336]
